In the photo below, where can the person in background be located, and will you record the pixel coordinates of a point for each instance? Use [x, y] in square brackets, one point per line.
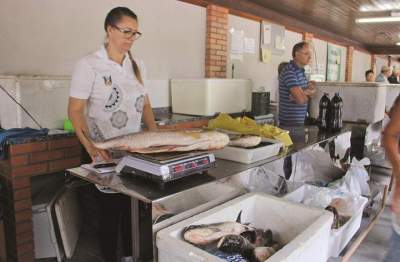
[108, 98]
[394, 77]
[294, 89]
[370, 76]
[383, 76]
[391, 136]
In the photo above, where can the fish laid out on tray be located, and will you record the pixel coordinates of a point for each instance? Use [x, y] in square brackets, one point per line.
[246, 141]
[166, 141]
[234, 239]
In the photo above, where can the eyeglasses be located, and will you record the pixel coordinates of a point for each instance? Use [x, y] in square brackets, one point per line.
[304, 53]
[127, 33]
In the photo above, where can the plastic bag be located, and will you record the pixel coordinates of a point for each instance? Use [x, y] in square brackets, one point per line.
[248, 126]
[356, 179]
[266, 181]
[321, 198]
[315, 166]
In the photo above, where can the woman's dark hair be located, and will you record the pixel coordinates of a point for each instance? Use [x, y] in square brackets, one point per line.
[368, 72]
[112, 19]
[297, 47]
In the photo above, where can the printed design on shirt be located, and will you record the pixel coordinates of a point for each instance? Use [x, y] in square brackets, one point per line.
[107, 80]
[114, 100]
[96, 133]
[139, 104]
[119, 119]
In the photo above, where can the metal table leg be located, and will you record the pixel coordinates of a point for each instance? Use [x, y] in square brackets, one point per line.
[142, 243]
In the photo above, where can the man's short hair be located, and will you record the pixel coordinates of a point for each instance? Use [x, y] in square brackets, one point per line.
[297, 47]
[368, 72]
[385, 69]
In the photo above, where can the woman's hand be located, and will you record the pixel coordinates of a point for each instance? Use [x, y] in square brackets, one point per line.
[97, 154]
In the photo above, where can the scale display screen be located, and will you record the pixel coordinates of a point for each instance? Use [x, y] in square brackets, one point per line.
[190, 165]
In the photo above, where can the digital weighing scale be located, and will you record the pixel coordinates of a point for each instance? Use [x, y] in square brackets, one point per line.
[166, 167]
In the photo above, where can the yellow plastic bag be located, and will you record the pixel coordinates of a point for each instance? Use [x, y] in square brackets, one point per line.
[248, 126]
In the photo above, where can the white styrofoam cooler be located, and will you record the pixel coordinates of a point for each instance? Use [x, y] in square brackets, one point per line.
[37, 94]
[248, 156]
[361, 101]
[340, 237]
[303, 230]
[210, 96]
[193, 201]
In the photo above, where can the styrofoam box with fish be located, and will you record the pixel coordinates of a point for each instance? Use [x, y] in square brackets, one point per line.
[340, 237]
[267, 148]
[303, 231]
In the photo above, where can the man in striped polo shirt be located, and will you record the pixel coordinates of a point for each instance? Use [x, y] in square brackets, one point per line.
[294, 89]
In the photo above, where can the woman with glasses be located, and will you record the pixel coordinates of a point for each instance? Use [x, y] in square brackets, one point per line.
[108, 98]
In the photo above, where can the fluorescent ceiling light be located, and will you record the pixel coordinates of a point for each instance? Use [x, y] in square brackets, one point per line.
[386, 19]
[380, 6]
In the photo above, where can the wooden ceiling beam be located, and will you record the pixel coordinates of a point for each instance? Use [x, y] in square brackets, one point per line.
[385, 50]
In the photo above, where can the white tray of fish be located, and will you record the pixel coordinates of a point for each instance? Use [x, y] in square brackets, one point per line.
[290, 232]
[267, 148]
[341, 236]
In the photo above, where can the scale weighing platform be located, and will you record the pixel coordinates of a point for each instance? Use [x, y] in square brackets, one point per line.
[166, 167]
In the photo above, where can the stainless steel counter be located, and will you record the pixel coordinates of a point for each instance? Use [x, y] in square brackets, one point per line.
[148, 191]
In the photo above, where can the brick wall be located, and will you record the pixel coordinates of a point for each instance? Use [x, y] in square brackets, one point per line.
[373, 62]
[216, 41]
[349, 64]
[25, 161]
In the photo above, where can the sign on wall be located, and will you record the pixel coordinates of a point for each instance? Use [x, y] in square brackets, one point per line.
[272, 41]
[334, 61]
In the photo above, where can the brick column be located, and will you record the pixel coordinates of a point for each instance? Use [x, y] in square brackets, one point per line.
[25, 161]
[373, 62]
[216, 41]
[308, 37]
[349, 63]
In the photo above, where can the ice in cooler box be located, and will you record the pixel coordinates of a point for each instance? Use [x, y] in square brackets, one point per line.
[340, 237]
[304, 231]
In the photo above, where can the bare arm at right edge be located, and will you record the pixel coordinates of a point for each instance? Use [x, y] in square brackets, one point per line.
[76, 109]
[391, 143]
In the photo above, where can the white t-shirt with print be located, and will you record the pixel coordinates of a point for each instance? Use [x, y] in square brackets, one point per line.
[115, 97]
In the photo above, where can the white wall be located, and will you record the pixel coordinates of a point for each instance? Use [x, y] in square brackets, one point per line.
[319, 58]
[395, 64]
[361, 63]
[380, 61]
[262, 74]
[47, 37]
[320, 61]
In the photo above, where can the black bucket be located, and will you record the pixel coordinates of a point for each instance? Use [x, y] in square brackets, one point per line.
[260, 103]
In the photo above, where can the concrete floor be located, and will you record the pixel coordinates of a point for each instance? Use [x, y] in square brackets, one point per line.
[374, 247]
[376, 244]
